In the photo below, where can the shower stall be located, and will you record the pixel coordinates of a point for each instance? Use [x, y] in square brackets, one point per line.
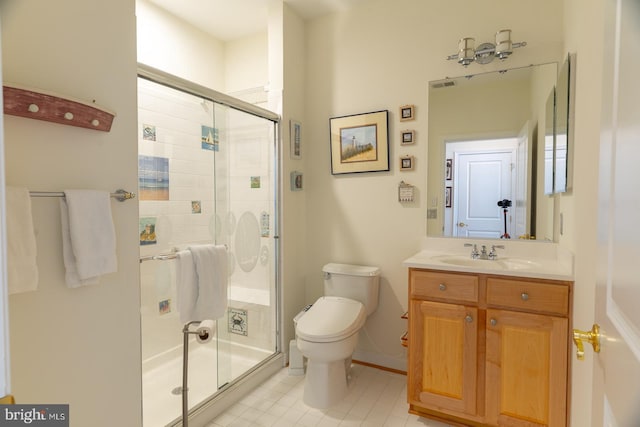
[208, 174]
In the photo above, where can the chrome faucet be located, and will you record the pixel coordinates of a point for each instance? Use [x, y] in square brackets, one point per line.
[493, 254]
[483, 254]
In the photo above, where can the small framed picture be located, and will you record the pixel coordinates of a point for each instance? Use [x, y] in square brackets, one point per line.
[296, 181]
[448, 194]
[406, 113]
[407, 163]
[295, 137]
[448, 171]
[408, 137]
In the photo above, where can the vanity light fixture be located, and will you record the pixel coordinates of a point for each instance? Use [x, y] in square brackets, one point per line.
[486, 52]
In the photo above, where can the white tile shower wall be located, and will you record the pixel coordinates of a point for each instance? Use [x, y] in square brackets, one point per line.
[177, 118]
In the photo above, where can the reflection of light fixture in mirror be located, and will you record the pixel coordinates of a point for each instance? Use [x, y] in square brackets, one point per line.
[486, 52]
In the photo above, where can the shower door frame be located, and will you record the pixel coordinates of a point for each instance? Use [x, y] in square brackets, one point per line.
[207, 408]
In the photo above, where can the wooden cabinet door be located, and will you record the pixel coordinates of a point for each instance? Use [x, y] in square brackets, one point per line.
[526, 366]
[442, 356]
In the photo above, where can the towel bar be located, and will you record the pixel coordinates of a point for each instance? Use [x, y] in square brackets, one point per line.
[163, 257]
[160, 257]
[120, 195]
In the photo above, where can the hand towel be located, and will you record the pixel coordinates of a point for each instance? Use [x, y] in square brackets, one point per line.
[21, 242]
[211, 267]
[89, 238]
[186, 286]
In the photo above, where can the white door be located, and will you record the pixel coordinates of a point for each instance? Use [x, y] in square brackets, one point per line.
[616, 395]
[483, 179]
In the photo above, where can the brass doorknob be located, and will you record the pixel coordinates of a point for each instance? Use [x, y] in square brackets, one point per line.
[592, 337]
[462, 224]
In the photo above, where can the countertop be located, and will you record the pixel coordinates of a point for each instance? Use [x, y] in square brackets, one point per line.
[542, 260]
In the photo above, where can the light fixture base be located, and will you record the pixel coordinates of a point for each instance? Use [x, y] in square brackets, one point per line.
[485, 53]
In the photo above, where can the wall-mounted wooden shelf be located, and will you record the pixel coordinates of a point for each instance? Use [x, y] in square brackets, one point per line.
[35, 104]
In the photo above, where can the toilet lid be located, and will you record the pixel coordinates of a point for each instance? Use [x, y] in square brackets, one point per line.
[331, 319]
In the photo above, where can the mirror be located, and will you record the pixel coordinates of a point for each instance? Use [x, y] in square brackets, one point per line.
[561, 149]
[486, 155]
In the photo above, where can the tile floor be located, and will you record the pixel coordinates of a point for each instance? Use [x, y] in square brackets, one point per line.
[376, 398]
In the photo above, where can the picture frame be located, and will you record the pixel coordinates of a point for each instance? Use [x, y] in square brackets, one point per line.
[360, 143]
[407, 163]
[448, 171]
[407, 113]
[448, 196]
[296, 181]
[295, 139]
[407, 137]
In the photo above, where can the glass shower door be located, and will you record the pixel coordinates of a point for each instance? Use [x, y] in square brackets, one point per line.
[206, 176]
[245, 203]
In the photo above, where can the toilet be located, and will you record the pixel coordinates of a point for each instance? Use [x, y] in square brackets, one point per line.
[327, 333]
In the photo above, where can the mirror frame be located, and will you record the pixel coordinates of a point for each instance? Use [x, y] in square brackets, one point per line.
[563, 135]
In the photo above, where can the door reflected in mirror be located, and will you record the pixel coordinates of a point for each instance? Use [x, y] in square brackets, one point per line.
[486, 146]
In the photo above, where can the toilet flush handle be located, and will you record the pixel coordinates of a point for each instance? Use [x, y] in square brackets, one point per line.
[327, 275]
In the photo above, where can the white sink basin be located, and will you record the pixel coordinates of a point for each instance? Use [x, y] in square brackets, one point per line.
[504, 264]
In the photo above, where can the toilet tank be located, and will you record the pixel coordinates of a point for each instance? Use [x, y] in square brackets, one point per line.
[356, 282]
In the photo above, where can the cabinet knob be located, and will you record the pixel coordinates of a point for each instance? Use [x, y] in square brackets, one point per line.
[524, 296]
[493, 322]
[468, 319]
[442, 287]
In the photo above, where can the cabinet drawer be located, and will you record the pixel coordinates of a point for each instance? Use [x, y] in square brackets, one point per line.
[459, 287]
[529, 296]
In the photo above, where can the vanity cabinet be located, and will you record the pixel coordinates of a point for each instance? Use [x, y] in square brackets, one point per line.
[488, 350]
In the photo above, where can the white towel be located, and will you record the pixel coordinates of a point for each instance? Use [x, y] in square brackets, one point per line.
[88, 236]
[21, 242]
[202, 284]
[186, 286]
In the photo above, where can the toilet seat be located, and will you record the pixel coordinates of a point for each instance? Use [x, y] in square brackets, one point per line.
[331, 319]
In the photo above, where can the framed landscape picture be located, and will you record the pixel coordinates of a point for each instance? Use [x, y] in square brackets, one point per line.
[360, 143]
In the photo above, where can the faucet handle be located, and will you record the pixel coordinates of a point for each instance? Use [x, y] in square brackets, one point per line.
[493, 254]
[474, 252]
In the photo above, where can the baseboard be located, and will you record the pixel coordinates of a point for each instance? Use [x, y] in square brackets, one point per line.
[382, 368]
[377, 359]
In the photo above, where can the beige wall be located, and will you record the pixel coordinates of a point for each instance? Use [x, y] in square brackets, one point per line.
[171, 45]
[381, 56]
[76, 346]
[294, 203]
[246, 63]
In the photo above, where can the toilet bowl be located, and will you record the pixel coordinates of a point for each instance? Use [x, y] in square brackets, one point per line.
[327, 335]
